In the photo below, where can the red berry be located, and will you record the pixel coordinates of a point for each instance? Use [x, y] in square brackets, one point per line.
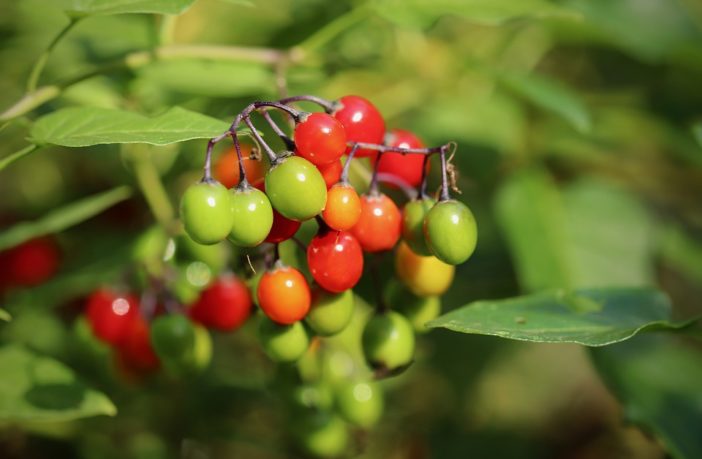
[30, 263]
[283, 228]
[362, 122]
[331, 173]
[407, 168]
[225, 305]
[110, 314]
[335, 259]
[379, 225]
[284, 295]
[135, 352]
[320, 139]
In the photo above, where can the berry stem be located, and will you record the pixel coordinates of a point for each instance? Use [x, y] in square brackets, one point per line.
[327, 105]
[243, 182]
[269, 151]
[207, 174]
[289, 143]
[373, 188]
[422, 191]
[445, 196]
[387, 148]
[345, 171]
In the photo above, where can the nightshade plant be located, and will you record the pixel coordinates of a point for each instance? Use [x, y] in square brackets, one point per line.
[321, 288]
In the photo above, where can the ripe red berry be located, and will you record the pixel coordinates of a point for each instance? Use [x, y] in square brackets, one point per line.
[320, 138]
[331, 173]
[30, 263]
[225, 305]
[283, 228]
[407, 167]
[135, 352]
[110, 314]
[362, 122]
[379, 225]
[284, 295]
[335, 260]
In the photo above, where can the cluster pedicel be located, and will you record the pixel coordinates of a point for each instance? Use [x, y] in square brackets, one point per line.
[259, 199]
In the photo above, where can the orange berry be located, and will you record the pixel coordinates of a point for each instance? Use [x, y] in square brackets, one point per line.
[343, 207]
[284, 295]
[227, 167]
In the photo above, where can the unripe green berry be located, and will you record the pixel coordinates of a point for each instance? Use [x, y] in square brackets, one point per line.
[296, 188]
[451, 231]
[253, 216]
[388, 341]
[330, 312]
[360, 403]
[413, 216]
[283, 343]
[206, 212]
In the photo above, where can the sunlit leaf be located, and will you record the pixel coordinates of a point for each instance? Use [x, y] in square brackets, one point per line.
[102, 7]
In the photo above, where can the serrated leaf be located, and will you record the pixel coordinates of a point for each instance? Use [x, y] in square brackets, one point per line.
[658, 382]
[209, 78]
[36, 388]
[86, 126]
[64, 217]
[550, 95]
[591, 317]
[420, 13]
[104, 7]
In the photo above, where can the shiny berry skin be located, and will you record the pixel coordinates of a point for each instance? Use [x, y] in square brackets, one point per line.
[227, 167]
[362, 122]
[418, 310]
[320, 138]
[296, 188]
[283, 228]
[172, 337]
[335, 260]
[30, 263]
[321, 434]
[206, 212]
[330, 312]
[360, 403]
[406, 167]
[135, 350]
[225, 305]
[284, 295]
[451, 232]
[388, 341]
[253, 217]
[331, 172]
[283, 343]
[378, 228]
[110, 314]
[413, 215]
[343, 207]
[424, 276]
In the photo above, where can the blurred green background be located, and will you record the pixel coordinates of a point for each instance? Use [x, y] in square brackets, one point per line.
[580, 152]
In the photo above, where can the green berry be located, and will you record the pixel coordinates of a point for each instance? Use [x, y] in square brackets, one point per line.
[321, 434]
[253, 216]
[317, 396]
[283, 343]
[360, 403]
[200, 354]
[215, 256]
[173, 337]
[330, 313]
[388, 341]
[413, 216]
[418, 310]
[296, 188]
[451, 231]
[206, 212]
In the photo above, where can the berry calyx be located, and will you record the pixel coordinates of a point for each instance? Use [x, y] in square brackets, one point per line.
[362, 122]
[331, 172]
[379, 225]
[343, 207]
[388, 341]
[284, 295]
[406, 167]
[227, 167]
[253, 216]
[424, 276]
[225, 305]
[283, 343]
[360, 403]
[335, 260]
[296, 188]
[451, 232]
[330, 312]
[110, 315]
[413, 215]
[320, 138]
[206, 212]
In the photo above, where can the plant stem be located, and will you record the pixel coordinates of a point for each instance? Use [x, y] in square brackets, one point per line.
[39, 65]
[387, 148]
[269, 151]
[327, 105]
[9, 159]
[445, 196]
[345, 171]
[334, 28]
[155, 194]
[289, 143]
[422, 191]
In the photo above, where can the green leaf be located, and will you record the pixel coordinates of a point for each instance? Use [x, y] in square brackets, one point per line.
[36, 388]
[658, 382]
[550, 95]
[4, 315]
[209, 78]
[591, 317]
[104, 7]
[64, 217]
[86, 126]
[530, 212]
[423, 12]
